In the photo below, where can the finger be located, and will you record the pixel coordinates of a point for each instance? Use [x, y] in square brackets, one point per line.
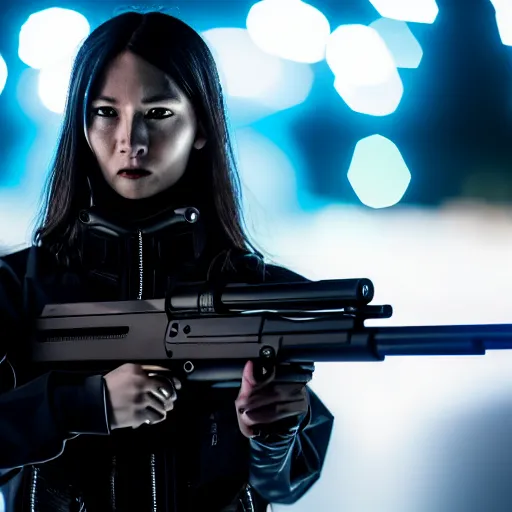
[150, 417]
[177, 383]
[153, 402]
[269, 397]
[279, 392]
[164, 385]
[174, 381]
[290, 389]
[249, 382]
[153, 368]
[166, 388]
[273, 413]
[166, 395]
[262, 373]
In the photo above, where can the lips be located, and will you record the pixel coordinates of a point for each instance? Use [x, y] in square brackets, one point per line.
[133, 173]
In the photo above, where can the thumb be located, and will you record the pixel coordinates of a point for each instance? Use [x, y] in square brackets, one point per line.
[251, 383]
[153, 368]
[248, 380]
[155, 371]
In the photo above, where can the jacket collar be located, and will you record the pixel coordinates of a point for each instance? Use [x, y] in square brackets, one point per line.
[179, 219]
[127, 257]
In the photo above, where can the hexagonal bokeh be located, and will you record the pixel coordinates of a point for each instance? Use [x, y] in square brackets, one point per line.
[378, 173]
[292, 30]
[399, 39]
[374, 100]
[416, 11]
[365, 72]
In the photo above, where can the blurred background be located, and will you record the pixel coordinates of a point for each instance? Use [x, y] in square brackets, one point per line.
[374, 140]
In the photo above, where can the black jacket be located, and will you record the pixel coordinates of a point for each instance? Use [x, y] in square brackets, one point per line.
[56, 449]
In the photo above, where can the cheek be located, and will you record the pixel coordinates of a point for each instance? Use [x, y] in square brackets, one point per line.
[99, 140]
[175, 143]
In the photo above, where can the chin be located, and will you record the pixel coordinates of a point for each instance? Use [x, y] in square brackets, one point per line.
[133, 193]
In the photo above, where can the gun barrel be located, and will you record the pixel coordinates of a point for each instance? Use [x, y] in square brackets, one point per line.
[328, 342]
[300, 296]
[442, 340]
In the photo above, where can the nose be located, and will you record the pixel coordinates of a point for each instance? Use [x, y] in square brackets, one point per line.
[133, 137]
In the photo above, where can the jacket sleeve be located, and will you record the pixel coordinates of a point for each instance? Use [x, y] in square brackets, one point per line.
[283, 468]
[38, 417]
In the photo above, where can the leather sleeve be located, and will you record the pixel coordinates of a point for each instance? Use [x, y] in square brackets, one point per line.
[37, 417]
[283, 468]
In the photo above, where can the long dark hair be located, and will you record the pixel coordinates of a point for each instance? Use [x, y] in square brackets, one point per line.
[180, 52]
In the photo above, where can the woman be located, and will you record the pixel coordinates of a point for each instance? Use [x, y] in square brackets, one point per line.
[144, 133]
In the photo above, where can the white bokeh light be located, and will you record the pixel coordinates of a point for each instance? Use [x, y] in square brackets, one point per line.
[404, 47]
[504, 23]
[3, 73]
[290, 29]
[293, 88]
[417, 11]
[365, 72]
[256, 84]
[51, 35]
[245, 70]
[53, 83]
[359, 55]
[374, 100]
[378, 173]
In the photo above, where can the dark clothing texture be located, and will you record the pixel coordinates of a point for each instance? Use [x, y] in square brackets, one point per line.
[57, 452]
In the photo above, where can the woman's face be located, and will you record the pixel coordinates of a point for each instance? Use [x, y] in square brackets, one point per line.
[142, 128]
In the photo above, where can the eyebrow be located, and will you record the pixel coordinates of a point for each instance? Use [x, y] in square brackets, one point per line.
[155, 98]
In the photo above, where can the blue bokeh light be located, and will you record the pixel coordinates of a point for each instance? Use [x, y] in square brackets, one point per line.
[378, 173]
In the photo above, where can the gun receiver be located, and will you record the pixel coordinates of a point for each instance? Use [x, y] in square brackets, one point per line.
[208, 334]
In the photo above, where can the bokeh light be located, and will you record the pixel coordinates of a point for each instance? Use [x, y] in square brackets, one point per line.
[290, 29]
[403, 46]
[359, 55]
[53, 82]
[256, 83]
[378, 173]
[418, 11]
[365, 72]
[246, 71]
[504, 23]
[51, 35]
[3, 74]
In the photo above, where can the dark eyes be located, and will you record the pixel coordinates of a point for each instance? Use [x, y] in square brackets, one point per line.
[152, 113]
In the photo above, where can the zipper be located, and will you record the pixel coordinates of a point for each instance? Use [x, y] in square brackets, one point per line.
[214, 430]
[139, 297]
[33, 488]
[141, 267]
[153, 481]
[113, 484]
[246, 500]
